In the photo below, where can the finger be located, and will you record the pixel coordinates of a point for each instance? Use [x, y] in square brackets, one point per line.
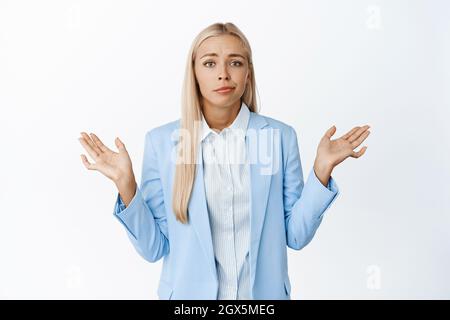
[358, 132]
[330, 132]
[90, 142]
[361, 138]
[99, 143]
[359, 153]
[348, 134]
[88, 148]
[87, 164]
[120, 145]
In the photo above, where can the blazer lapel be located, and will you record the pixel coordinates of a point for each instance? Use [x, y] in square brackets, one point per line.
[198, 213]
[258, 141]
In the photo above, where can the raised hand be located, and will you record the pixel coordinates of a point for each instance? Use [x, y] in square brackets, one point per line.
[336, 151]
[332, 152]
[116, 166]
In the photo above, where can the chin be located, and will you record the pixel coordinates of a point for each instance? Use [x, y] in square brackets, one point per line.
[230, 99]
[223, 102]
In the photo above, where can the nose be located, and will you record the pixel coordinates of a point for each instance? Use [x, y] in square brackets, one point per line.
[223, 73]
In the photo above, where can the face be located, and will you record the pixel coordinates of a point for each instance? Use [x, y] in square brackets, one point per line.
[221, 62]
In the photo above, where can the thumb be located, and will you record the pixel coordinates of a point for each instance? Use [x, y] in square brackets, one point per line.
[119, 144]
[330, 132]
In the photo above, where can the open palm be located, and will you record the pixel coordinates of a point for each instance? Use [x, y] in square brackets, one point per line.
[114, 165]
[336, 151]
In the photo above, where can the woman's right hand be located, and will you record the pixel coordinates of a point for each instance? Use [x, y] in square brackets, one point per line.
[116, 166]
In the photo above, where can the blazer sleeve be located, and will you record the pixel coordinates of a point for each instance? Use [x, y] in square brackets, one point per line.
[304, 203]
[145, 218]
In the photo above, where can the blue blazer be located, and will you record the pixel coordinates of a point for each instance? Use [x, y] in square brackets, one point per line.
[285, 212]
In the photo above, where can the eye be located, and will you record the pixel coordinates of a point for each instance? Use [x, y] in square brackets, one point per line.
[207, 62]
[237, 61]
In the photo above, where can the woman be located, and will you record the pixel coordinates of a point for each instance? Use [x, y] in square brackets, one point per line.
[222, 192]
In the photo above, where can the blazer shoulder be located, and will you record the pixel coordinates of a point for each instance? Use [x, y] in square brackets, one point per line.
[278, 124]
[164, 130]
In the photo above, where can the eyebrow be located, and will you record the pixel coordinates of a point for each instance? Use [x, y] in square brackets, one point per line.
[230, 55]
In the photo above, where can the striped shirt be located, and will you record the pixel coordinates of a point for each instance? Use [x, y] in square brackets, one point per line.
[227, 185]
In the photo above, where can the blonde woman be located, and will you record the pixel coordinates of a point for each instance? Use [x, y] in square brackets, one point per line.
[222, 194]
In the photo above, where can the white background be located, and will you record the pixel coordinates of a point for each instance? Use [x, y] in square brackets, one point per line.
[116, 68]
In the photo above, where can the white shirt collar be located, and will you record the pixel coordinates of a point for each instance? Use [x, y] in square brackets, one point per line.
[239, 125]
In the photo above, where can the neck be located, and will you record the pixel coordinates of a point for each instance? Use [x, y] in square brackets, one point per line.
[220, 117]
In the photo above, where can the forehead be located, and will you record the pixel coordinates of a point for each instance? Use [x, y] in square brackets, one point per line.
[221, 45]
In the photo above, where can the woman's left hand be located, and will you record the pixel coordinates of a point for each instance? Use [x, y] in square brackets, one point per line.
[332, 152]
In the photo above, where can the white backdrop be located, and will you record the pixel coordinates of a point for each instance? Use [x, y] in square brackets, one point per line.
[116, 67]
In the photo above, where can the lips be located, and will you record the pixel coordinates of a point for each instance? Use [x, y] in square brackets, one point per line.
[224, 89]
